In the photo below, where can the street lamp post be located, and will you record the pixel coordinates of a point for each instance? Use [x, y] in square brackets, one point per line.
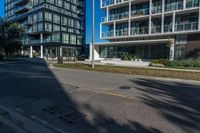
[93, 12]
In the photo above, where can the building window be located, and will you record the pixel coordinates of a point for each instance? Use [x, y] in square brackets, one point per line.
[40, 26]
[40, 16]
[56, 27]
[50, 1]
[65, 38]
[48, 27]
[72, 39]
[56, 37]
[58, 2]
[48, 16]
[56, 18]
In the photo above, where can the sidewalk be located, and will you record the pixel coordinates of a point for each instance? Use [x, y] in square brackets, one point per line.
[138, 66]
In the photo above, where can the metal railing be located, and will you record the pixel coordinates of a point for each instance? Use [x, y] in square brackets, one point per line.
[140, 12]
[27, 6]
[112, 2]
[108, 34]
[121, 32]
[173, 6]
[186, 26]
[192, 3]
[119, 16]
[139, 31]
[156, 9]
[168, 28]
[104, 19]
[18, 1]
[155, 29]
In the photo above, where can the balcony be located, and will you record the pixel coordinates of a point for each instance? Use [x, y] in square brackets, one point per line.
[119, 16]
[104, 19]
[186, 26]
[139, 31]
[156, 29]
[24, 8]
[28, 23]
[192, 3]
[108, 34]
[156, 9]
[80, 3]
[168, 28]
[121, 32]
[141, 12]
[112, 2]
[21, 2]
[173, 6]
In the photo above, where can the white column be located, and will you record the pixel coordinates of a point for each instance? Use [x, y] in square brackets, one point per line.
[31, 51]
[129, 20]
[172, 50]
[101, 3]
[150, 9]
[61, 52]
[41, 46]
[107, 14]
[199, 20]
[184, 4]
[101, 30]
[173, 21]
[163, 17]
[22, 51]
[114, 28]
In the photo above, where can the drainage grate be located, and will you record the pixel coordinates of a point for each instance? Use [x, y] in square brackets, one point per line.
[66, 113]
[72, 117]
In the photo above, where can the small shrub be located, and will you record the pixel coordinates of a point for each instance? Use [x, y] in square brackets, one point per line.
[164, 62]
[177, 63]
[1, 57]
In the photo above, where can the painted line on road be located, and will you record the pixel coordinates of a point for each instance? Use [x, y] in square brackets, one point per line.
[108, 93]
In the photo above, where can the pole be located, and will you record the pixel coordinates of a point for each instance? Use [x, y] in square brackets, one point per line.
[93, 5]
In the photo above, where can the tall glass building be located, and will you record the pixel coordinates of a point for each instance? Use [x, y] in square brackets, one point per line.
[149, 29]
[52, 27]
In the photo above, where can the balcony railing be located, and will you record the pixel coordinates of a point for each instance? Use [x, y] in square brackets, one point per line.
[168, 28]
[156, 9]
[186, 26]
[119, 16]
[139, 31]
[192, 3]
[20, 2]
[23, 8]
[112, 2]
[108, 34]
[156, 29]
[121, 32]
[104, 19]
[140, 12]
[173, 6]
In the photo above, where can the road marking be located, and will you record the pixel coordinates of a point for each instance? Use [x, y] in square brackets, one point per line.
[107, 93]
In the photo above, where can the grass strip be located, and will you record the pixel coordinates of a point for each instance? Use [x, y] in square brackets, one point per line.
[134, 70]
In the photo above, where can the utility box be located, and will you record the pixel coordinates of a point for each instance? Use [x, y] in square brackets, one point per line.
[60, 60]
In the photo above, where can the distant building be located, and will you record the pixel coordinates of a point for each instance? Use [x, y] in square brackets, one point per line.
[52, 27]
[149, 29]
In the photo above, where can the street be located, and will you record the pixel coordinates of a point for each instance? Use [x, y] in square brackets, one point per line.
[100, 102]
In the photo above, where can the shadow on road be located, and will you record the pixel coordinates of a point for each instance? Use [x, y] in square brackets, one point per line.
[31, 87]
[177, 102]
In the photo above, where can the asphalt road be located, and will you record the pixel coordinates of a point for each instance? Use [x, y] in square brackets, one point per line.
[101, 102]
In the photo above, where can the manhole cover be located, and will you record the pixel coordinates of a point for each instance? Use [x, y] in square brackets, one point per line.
[66, 113]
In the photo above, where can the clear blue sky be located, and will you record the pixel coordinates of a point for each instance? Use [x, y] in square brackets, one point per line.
[98, 14]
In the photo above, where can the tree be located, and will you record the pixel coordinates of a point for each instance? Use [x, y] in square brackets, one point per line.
[11, 38]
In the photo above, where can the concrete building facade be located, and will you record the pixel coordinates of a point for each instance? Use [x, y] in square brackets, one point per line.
[149, 29]
[52, 27]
